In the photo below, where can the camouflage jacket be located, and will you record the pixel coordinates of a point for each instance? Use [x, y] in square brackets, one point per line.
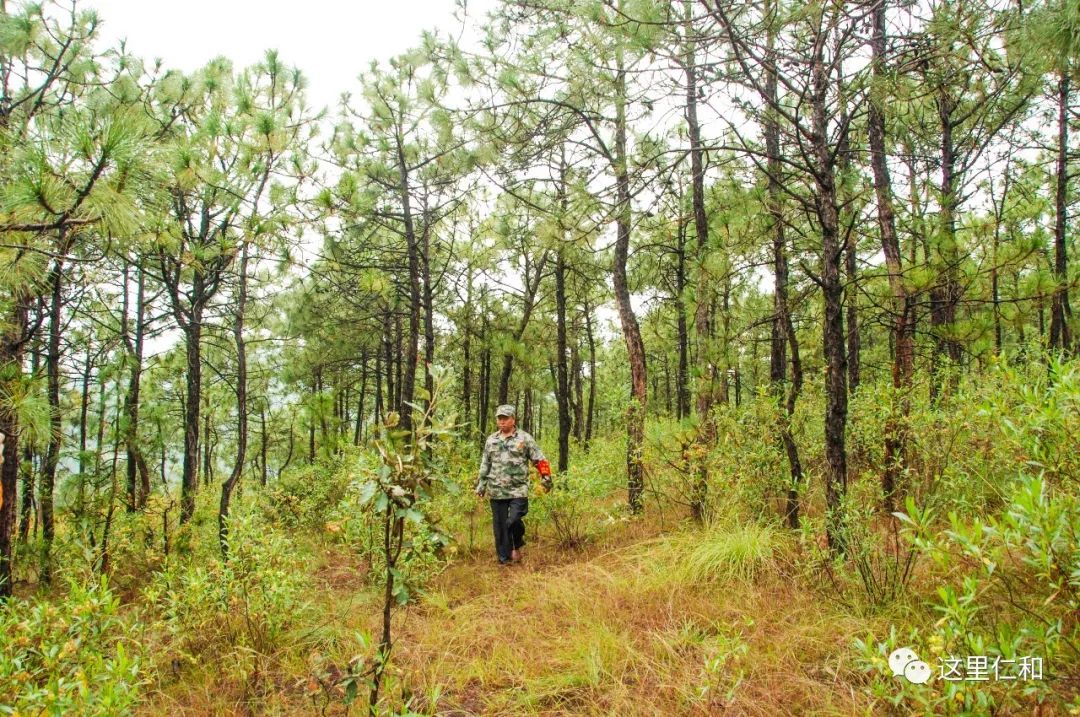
[504, 464]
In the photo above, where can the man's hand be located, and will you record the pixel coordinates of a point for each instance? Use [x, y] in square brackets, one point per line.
[480, 491]
[544, 468]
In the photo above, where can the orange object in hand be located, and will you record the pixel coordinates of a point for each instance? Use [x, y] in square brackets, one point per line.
[544, 468]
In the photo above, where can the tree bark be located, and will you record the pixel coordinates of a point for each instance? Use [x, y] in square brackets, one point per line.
[412, 349]
[703, 316]
[28, 515]
[466, 351]
[11, 359]
[833, 290]
[189, 485]
[358, 433]
[138, 474]
[682, 370]
[562, 392]
[783, 330]
[592, 375]
[903, 306]
[229, 485]
[635, 347]
[1060, 311]
[52, 457]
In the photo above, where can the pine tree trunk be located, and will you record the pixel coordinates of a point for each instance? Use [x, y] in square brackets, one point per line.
[783, 329]
[562, 384]
[229, 485]
[682, 371]
[138, 475]
[192, 406]
[833, 290]
[358, 432]
[635, 347]
[592, 375]
[903, 308]
[703, 316]
[466, 357]
[28, 514]
[11, 358]
[1060, 311]
[52, 456]
[407, 383]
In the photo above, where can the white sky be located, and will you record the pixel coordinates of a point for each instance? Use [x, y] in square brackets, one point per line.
[331, 41]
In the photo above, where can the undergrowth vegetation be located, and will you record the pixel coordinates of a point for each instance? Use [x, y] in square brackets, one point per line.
[981, 559]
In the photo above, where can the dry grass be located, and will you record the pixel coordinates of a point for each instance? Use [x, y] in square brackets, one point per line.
[616, 628]
[625, 632]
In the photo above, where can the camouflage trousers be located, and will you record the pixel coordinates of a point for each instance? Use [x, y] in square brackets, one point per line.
[507, 521]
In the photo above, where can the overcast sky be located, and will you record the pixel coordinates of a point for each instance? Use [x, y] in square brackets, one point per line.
[332, 41]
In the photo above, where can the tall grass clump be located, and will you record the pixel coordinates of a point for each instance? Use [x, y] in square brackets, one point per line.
[724, 552]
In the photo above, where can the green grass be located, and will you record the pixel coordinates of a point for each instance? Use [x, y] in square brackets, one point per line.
[728, 552]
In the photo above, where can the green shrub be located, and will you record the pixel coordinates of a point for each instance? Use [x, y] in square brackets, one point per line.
[67, 656]
[1013, 591]
[235, 608]
[306, 496]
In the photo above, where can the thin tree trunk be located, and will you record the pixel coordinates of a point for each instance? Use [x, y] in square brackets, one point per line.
[903, 307]
[138, 475]
[358, 434]
[28, 506]
[702, 314]
[682, 371]
[635, 347]
[208, 463]
[1060, 311]
[466, 351]
[262, 440]
[11, 360]
[578, 392]
[415, 299]
[946, 295]
[562, 384]
[591, 412]
[429, 308]
[192, 406]
[52, 457]
[388, 358]
[833, 290]
[783, 330]
[241, 406]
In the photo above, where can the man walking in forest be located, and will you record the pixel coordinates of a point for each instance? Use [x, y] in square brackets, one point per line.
[504, 479]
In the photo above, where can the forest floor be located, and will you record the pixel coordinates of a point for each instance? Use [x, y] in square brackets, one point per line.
[613, 628]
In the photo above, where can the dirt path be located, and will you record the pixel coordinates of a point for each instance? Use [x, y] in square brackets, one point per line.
[616, 629]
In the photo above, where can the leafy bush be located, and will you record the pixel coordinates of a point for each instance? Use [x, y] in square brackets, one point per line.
[238, 607]
[571, 509]
[1013, 591]
[306, 496]
[68, 656]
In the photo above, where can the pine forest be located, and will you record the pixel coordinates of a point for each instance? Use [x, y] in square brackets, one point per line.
[766, 306]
